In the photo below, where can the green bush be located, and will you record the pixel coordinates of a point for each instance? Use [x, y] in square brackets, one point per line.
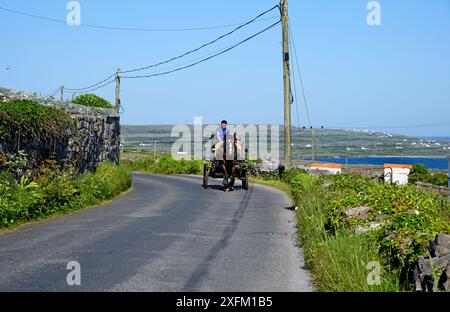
[55, 191]
[13, 165]
[112, 180]
[92, 100]
[420, 173]
[29, 120]
[438, 178]
[419, 169]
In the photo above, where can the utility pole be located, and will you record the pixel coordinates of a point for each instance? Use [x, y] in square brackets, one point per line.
[313, 145]
[287, 84]
[117, 101]
[448, 177]
[62, 93]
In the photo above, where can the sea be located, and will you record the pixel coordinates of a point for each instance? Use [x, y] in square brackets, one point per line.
[442, 138]
[430, 162]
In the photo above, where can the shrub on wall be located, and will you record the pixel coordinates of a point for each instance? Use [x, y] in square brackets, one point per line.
[29, 120]
[92, 100]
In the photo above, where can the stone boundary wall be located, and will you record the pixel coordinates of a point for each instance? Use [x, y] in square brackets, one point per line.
[95, 138]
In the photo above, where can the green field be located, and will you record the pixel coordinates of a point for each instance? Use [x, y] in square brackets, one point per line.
[326, 142]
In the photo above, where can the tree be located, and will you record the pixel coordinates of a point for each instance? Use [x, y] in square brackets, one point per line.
[418, 173]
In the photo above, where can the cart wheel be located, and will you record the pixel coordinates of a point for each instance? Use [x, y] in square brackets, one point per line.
[245, 180]
[205, 176]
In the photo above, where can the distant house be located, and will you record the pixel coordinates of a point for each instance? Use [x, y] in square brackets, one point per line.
[395, 173]
[326, 168]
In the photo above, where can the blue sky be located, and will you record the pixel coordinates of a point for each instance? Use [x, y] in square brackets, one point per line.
[396, 74]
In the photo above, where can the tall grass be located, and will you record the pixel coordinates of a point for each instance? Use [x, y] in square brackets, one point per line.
[343, 263]
[339, 261]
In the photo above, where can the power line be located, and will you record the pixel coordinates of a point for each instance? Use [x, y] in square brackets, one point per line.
[171, 29]
[54, 20]
[91, 86]
[53, 93]
[313, 139]
[203, 45]
[179, 56]
[205, 56]
[296, 100]
[300, 76]
[93, 89]
[186, 62]
[297, 110]
[205, 59]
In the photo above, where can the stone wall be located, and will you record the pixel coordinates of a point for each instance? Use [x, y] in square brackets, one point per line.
[432, 273]
[94, 138]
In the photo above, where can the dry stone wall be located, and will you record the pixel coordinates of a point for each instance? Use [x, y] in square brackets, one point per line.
[94, 138]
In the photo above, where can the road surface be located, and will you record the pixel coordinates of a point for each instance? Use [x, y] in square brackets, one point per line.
[167, 234]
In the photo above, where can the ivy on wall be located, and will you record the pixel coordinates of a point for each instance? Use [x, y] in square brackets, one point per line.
[29, 120]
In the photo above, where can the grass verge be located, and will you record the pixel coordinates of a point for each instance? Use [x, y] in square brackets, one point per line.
[54, 192]
[370, 252]
[343, 259]
[338, 262]
[164, 164]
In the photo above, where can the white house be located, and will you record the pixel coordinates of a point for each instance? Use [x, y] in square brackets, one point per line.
[395, 173]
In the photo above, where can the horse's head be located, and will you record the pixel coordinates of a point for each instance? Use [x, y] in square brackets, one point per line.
[228, 149]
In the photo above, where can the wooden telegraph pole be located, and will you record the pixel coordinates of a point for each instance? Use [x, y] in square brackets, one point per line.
[287, 84]
[117, 101]
[62, 93]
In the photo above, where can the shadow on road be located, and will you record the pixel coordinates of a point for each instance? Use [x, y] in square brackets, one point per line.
[202, 270]
[221, 188]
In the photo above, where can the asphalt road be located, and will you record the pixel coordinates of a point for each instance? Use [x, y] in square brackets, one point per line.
[167, 234]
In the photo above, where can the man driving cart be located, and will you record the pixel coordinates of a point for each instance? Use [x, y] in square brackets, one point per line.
[226, 149]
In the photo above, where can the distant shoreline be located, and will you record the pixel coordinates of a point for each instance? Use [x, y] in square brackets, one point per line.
[432, 162]
[383, 156]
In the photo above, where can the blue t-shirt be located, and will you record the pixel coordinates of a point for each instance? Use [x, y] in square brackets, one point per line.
[222, 132]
